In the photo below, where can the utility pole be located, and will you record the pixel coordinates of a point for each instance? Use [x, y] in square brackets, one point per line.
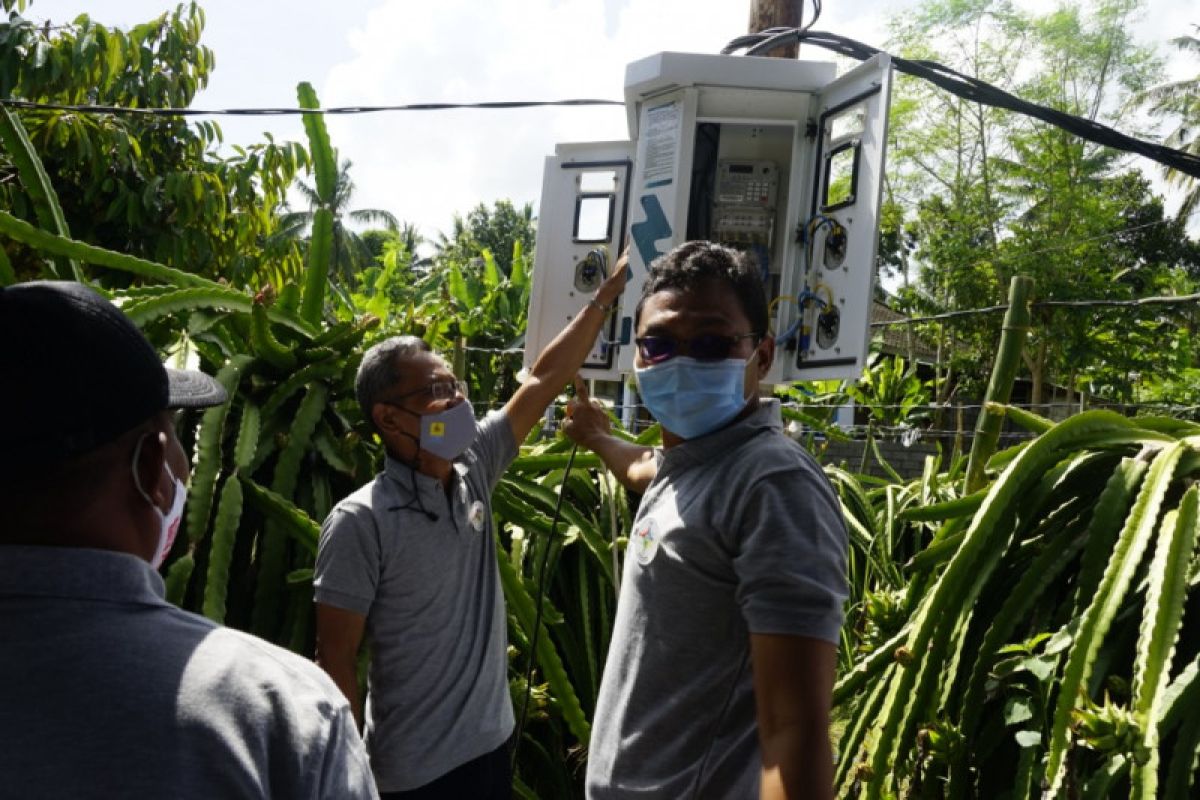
[777, 14]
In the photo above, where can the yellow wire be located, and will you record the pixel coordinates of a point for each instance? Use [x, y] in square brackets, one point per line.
[828, 291]
[771, 310]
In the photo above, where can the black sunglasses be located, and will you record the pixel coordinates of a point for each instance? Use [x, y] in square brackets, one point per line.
[706, 347]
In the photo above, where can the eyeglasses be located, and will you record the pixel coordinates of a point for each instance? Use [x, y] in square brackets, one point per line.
[706, 347]
[439, 390]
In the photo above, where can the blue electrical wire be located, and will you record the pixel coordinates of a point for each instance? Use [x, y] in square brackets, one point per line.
[764, 264]
[802, 301]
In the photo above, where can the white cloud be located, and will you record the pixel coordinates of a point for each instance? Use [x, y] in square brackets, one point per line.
[426, 166]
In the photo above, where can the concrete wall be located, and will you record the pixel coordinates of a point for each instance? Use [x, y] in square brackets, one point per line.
[908, 461]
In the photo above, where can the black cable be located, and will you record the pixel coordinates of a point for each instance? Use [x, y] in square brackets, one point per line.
[974, 90]
[265, 112]
[949, 79]
[537, 619]
[416, 490]
[1141, 302]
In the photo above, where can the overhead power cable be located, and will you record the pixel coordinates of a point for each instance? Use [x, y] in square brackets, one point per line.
[1166, 300]
[971, 89]
[967, 312]
[1182, 299]
[949, 79]
[496, 351]
[29, 105]
[1097, 238]
[1037, 408]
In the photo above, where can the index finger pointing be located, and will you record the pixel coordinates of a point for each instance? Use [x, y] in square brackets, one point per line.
[581, 390]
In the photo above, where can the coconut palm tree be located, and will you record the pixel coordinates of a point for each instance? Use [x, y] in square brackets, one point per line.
[1181, 99]
[412, 239]
[350, 253]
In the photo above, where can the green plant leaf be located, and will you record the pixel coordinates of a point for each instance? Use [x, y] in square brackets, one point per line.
[1131, 544]
[323, 158]
[53, 244]
[1165, 597]
[295, 522]
[1028, 738]
[1018, 710]
[41, 191]
[491, 273]
[316, 274]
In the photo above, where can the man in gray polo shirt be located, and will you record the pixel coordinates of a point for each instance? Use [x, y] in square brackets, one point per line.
[106, 689]
[409, 562]
[720, 671]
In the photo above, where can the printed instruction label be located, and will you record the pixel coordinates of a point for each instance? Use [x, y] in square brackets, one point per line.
[661, 132]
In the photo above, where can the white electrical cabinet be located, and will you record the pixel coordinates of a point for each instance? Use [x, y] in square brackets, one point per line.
[775, 157]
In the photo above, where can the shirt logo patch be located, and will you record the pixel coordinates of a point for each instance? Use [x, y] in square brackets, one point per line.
[476, 515]
[645, 541]
[437, 429]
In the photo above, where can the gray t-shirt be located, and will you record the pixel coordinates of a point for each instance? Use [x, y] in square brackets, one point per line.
[107, 690]
[739, 533]
[422, 569]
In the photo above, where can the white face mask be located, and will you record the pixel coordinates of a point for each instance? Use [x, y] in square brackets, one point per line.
[168, 522]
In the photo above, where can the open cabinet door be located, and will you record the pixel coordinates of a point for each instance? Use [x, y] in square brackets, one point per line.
[585, 196]
[843, 228]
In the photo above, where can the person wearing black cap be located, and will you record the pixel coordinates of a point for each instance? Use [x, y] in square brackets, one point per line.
[107, 690]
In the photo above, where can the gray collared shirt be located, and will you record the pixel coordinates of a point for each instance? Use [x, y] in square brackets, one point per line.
[107, 690]
[420, 563]
[738, 533]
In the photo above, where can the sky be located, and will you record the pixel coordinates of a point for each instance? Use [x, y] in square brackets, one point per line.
[424, 167]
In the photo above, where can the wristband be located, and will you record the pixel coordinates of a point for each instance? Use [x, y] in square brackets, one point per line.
[604, 309]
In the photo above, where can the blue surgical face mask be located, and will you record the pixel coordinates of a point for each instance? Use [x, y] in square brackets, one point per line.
[691, 398]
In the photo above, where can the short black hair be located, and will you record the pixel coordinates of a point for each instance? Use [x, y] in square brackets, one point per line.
[695, 263]
[379, 371]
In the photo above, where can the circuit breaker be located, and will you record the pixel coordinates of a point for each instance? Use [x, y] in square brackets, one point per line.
[779, 158]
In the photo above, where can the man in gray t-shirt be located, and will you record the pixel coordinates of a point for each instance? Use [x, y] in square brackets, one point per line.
[409, 562]
[720, 672]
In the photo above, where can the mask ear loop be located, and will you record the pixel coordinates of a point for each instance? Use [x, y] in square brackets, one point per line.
[417, 458]
[419, 505]
[137, 479]
[752, 365]
[416, 490]
[754, 356]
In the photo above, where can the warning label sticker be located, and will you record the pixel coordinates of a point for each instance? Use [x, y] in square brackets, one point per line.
[660, 130]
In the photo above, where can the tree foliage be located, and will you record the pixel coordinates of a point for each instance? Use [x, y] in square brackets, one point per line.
[150, 186]
[406, 236]
[351, 252]
[1180, 100]
[497, 230]
[990, 194]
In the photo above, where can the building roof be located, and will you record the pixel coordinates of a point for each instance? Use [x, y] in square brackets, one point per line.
[900, 340]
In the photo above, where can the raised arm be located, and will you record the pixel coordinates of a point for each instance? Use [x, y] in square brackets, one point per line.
[563, 357]
[793, 684]
[587, 423]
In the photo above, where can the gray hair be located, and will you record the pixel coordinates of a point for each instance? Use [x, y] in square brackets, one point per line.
[380, 370]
